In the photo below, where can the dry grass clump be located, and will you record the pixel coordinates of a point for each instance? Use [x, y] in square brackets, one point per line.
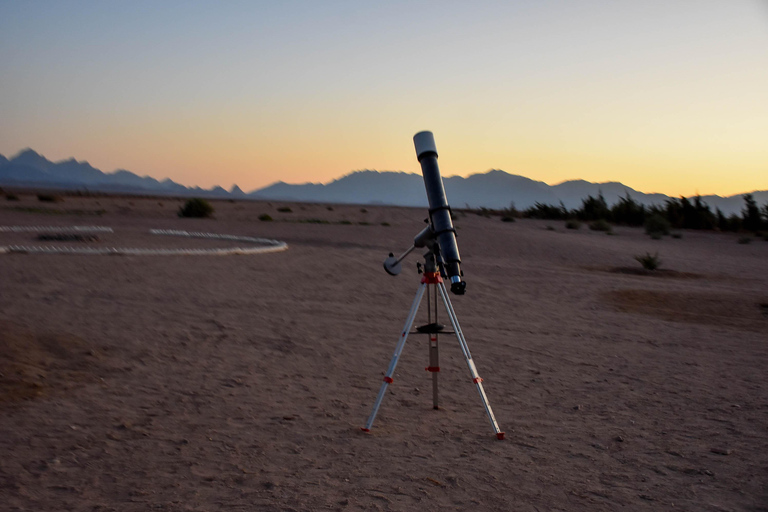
[196, 208]
[649, 261]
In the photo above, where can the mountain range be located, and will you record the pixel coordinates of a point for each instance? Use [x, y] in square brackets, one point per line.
[493, 189]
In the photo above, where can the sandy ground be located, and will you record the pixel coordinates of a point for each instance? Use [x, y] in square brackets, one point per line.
[241, 382]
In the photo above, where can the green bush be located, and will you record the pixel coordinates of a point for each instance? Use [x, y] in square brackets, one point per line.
[197, 208]
[572, 224]
[649, 261]
[265, 217]
[656, 224]
[507, 218]
[284, 209]
[386, 224]
[600, 225]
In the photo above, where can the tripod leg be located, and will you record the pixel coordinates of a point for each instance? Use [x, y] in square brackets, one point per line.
[395, 356]
[434, 367]
[470, 363]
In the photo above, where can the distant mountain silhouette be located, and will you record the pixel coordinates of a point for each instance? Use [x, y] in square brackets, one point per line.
[493, 189]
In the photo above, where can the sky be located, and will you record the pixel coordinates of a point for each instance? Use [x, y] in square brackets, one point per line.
[665, 96]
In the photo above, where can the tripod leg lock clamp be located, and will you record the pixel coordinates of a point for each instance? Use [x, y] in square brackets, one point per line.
[432, 369]
[477, 380]
[388, 380]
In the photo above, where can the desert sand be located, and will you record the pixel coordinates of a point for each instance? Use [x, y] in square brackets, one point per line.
[177, 383]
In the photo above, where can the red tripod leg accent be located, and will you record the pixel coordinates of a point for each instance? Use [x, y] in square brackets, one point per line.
[388, 380]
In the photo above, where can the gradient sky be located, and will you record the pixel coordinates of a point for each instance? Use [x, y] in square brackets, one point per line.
[665, 96]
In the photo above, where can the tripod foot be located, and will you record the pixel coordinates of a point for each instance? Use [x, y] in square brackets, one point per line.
[366, 430]
[500, 436]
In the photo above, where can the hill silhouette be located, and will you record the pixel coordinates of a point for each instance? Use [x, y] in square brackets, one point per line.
[493, 189]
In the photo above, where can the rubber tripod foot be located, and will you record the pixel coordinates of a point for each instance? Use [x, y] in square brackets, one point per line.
[500, 436]
[365, 429]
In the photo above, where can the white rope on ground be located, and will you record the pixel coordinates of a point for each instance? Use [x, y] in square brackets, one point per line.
[267, 245]
[76, 229]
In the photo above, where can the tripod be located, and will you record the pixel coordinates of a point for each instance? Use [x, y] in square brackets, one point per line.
[432, 284]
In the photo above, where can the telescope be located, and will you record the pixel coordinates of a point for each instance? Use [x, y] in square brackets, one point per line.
[441, 261]
[439, 237]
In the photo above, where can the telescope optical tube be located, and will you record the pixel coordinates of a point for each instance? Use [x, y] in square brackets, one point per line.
[439, 211]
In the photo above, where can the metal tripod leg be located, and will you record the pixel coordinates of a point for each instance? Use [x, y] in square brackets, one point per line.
[396, 356]
[470, 363]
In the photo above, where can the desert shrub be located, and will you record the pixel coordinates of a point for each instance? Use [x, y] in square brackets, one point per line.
[196, 208]
[285, 209]
[750, 215]
[546, 212]
[677, 235]
[550, 228]
[345, 222]
[593, 208]
[509, 214]
[10, 196]
[572, 224]
[684, 213]
[628, 211]
[363, 210]
[600, 225]
[364, 223]
[656, 224]
[329, 208]
[265, 217]
[48, 198]
[387, 224]
[745, 240]
[649, 261]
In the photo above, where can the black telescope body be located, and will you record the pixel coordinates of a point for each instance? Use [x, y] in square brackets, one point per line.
[439, 211]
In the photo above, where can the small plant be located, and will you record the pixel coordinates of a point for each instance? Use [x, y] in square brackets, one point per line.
[507, 218]
[345, 222]
[48, 198]
[657, 225]
[10, 196]
[265, 217]
[329, 208]
[572, 224]
[677, 236]
[196, 208]
[649, 261]
[745, 240]
[550, 228]
[386, 224]
[600, 225]
[363, 210]
[285, 209]
[364, 223]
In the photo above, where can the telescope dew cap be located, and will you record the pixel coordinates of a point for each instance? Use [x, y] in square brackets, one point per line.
[424, 143]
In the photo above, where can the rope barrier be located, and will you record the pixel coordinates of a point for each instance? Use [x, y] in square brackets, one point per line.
[266, 245]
